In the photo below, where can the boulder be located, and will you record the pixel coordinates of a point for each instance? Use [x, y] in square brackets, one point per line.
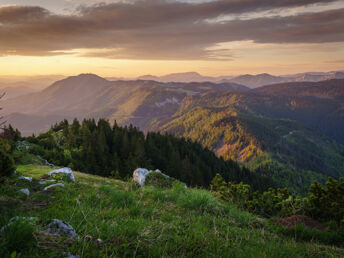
[25, 178]
[54, 185]
[140, 174]
[25, 191]
[58, 227]
[66, 171]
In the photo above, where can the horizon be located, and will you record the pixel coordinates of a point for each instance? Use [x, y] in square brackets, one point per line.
[213, 38]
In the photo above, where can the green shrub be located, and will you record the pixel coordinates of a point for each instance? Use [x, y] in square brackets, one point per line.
[159, 180]
[17, 237]
[327, 202]
[6, 164]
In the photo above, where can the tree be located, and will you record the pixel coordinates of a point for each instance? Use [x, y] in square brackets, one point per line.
[2, 123]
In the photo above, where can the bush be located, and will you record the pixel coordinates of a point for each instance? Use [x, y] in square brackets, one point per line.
[6, 164]
[159, 180]
[18, 237]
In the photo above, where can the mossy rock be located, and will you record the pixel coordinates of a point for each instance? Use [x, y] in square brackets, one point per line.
[159, 180]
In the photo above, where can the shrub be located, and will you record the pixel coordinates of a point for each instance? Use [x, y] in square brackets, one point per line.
[6, 164]
[159, 180]
[18, 237]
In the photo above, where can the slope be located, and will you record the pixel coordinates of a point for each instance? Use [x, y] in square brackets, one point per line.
[115, 218]
[287, 151]
[137, 102]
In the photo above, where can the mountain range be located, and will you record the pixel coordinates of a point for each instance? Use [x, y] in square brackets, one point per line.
[251, 81]
[289, 131]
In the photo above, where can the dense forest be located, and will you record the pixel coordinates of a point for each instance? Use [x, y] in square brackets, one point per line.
[101, 149]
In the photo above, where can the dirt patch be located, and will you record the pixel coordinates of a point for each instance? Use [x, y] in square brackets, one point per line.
[300, 219]
[48, 241]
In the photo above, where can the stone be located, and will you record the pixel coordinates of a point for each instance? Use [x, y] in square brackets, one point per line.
[54, 185]
[59, 227]
[25, 191]
[69, 255]
[66, 171]
[25, 178]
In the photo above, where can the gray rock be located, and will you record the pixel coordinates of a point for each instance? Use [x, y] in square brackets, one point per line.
[25, 191]
[58, 227]
[42, 182]
[66, 171]
[25, 178]
[69, 255]
[54, 185]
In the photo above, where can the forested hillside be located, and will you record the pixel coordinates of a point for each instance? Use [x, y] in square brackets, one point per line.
[100, 149]
[285, 150]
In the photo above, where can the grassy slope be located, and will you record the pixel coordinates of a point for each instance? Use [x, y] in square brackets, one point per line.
[146, 221]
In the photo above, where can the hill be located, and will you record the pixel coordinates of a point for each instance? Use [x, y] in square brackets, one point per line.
[234, 127]
[108, 217]
[140, 103]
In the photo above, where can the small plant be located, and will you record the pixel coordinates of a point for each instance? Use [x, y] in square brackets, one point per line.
[17, 237]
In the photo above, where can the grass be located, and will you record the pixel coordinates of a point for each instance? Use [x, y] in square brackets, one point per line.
[132, 221]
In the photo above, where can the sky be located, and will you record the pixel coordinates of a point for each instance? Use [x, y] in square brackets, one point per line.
[135, 37]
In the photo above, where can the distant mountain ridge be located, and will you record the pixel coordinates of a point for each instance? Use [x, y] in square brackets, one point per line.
[251, 81]
[138, 102]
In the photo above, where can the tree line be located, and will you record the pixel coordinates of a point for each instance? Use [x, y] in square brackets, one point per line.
[105, 150]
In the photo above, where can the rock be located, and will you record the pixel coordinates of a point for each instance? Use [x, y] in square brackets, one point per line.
[25, 191]
[15, 172]
[25, 178]
[28, 219]
[58, 227]
[69, 255]
[54, 185]
[140, 174]
[66, 171]
[42, 182]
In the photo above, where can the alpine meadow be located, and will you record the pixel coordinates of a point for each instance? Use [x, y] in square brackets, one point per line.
[171, 128]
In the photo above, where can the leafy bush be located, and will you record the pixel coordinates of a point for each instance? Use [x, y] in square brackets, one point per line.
[6, 164]
[269, 203]
[327, 202]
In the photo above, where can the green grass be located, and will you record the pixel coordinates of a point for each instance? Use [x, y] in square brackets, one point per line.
[148, 222]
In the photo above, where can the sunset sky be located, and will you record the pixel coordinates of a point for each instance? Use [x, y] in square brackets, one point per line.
[132, 38]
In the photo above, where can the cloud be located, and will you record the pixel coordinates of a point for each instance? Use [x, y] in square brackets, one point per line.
[161, 29]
